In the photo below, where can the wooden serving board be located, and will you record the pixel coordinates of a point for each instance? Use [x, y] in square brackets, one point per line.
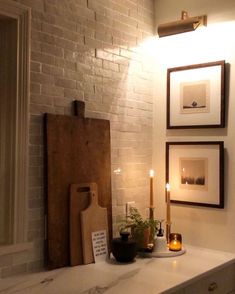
[79, 200]
[77, 151]
[93, 219]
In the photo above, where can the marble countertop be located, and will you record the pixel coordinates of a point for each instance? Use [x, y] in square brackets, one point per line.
[144, 275]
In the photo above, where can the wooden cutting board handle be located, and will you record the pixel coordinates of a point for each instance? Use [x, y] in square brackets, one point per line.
[79, 108]
[93, 219]
[94, 199]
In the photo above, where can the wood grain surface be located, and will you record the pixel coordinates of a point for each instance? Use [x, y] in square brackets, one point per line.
[79, 200]
[93, 219]
[77, 151]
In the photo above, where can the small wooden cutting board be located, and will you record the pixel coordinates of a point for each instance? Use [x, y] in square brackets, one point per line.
[93, 219]
[79, 200]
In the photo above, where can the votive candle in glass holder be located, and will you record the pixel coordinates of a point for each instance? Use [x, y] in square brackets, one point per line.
[175, 242]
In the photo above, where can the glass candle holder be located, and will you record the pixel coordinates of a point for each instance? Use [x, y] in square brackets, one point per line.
[175, 242]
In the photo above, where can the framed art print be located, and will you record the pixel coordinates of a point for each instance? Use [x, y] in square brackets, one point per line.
[195, 173]
[195, 96]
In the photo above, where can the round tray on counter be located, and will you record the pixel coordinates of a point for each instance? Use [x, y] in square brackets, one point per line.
[167, 253]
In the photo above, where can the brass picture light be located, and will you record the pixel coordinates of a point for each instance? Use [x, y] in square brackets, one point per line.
[186, 24]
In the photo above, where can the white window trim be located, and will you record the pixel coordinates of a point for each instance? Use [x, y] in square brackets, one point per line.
[23, 16]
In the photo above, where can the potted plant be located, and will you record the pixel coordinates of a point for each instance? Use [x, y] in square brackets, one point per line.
[142, 230]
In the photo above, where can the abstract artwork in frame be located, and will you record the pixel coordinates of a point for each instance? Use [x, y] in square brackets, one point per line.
[195, 96]
[195, 173]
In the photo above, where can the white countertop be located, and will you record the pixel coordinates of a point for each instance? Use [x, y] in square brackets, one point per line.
[145, 275]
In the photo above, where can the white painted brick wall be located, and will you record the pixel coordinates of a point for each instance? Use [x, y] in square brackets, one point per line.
[88, 50]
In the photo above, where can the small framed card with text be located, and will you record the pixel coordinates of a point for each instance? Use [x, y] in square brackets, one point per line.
[99, 245]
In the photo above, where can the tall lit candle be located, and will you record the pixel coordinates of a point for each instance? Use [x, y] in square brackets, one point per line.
[168, 199]
[151, 174]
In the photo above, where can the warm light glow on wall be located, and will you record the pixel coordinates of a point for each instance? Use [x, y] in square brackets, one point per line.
[147, 52]
[203, 45]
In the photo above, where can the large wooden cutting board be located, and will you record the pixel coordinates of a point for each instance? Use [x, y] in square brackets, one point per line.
[77, 151]
[93, 219]
[79, 200]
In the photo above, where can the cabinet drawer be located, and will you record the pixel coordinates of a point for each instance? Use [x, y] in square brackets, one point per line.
[220, 282]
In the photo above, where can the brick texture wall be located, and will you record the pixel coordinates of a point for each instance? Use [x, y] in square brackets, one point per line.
[89, 50]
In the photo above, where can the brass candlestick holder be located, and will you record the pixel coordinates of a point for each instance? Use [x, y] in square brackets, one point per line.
[168, 231]
[151, 217]
[168, 213]
[151, 212]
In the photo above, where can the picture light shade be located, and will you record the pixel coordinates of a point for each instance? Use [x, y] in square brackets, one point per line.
[181, 26]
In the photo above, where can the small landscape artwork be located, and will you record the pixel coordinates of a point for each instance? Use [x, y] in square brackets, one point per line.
[193, 173]
[194, 97]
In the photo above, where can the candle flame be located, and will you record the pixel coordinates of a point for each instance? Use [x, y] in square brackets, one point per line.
[168, 187]
[151, 173]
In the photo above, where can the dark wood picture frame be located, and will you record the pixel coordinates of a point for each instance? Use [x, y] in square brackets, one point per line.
[196, 96]
[204, 163]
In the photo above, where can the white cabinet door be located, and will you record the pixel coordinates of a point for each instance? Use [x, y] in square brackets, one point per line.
[220, 282]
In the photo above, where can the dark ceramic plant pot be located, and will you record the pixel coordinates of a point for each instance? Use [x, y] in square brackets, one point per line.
[124, 249]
